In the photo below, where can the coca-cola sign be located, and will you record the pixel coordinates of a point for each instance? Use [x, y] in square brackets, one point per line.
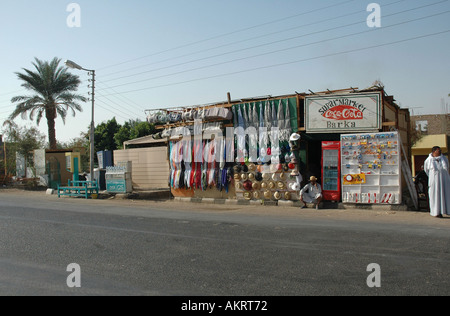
[341, 113]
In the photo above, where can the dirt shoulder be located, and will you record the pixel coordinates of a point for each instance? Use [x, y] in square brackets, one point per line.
[374, 215]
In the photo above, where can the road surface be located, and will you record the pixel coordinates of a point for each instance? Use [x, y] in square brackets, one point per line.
[149, 248]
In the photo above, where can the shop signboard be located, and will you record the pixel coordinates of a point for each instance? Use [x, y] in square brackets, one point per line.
[347, 113]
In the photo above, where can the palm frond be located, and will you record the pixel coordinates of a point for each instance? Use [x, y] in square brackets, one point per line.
[52, 89]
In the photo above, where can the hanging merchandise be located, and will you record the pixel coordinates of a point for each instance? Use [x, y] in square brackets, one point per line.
[255, 116]
[218, 113]
[263, 135]
[187, 149]
[235, 116]
[288, 130]
[250, 122]
[171, 164]
[271, 120]
[281, 122]
[252, 134]
[293, 142]
[275, 137]
[240, 136]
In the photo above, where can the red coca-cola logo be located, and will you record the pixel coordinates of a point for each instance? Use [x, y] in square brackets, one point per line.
[343, 112]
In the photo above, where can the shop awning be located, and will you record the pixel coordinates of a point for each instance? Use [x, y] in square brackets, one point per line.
[424, 145]
[149, 140]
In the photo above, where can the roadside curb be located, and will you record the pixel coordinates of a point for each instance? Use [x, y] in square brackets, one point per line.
[162, 195]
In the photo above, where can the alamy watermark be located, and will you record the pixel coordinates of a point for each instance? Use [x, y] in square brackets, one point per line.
[374, 18]
[74, 278]
[249, 138]
[374, 278]
[74, 18]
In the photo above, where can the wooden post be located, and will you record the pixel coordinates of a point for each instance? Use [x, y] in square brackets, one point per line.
[229, 98]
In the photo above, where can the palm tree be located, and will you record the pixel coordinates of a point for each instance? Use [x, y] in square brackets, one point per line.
[52, 95]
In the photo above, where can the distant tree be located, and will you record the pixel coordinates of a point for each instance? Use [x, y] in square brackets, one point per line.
[104, 135]
[23, 140]
[52, 90]
[131, 130]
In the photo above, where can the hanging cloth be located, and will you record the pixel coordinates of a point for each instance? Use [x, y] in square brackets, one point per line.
[250, 122]
[255, 116]
[274, 137]
[263, 135]
[171, 164]
[229, 145]
[240, 137]
[281, 122]
[287, 117]
[288, 128]
[179, 163]
[187, 149]
[268, 116]
[245, 116]
[204, 180]
[274, 115]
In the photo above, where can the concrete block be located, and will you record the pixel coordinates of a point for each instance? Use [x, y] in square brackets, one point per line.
[284, 203]
[255, 202]
[208, 201]
[231, 202]
[270, 203]
[243, 202]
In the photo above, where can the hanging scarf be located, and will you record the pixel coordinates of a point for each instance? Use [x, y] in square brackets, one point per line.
[281, 122]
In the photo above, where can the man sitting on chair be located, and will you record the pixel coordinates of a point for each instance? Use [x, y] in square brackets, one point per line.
[311, 193]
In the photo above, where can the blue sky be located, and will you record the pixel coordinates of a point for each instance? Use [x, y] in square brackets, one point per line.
[156, 54]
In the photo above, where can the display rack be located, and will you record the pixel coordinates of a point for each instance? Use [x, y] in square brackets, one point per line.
[370, 165]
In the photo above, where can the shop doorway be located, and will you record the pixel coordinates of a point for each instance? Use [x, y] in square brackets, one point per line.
[314, 154]
[313, 161]
[419, 162]
[54, 173]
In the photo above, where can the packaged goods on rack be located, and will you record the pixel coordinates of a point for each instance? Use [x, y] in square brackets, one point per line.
[371, 168]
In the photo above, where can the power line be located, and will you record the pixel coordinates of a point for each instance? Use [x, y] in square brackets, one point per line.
[125, 113]
[237, 42]
[105, 107]
[229, 33]
[292, 62]
[284, 49]
[12, 92]
[123, 98]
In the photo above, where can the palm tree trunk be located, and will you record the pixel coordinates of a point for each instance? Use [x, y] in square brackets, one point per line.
[51, 115]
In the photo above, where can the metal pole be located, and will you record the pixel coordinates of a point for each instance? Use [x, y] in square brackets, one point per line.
[91, 136]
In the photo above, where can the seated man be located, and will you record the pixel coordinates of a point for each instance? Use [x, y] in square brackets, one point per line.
[311, 193]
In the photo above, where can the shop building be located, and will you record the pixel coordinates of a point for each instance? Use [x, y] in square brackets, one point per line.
[266, 148]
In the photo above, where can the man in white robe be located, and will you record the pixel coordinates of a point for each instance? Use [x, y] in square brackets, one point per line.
[436, 167]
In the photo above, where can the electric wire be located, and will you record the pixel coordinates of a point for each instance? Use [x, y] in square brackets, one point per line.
[123, 99]
[105, 106]
[129, 114]
[284, 49]
[229, 33]
[293, 62]
[289, 48]
[237, 42]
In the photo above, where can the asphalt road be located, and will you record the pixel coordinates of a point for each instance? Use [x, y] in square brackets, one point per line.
[165, 249]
